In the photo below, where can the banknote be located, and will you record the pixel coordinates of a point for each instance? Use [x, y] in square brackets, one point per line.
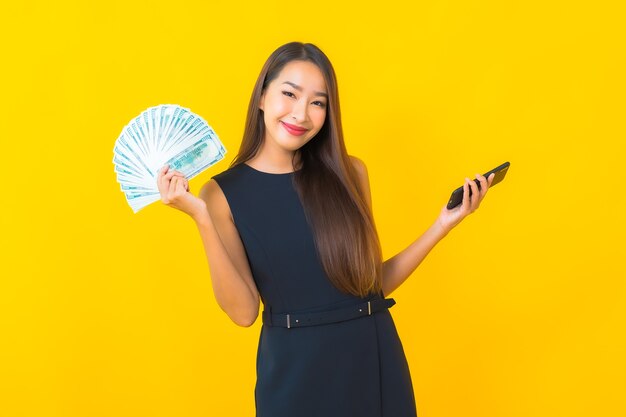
[164, 134]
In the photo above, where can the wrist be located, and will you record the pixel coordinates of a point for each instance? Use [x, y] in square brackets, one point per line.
[440, 229]
[201, 216]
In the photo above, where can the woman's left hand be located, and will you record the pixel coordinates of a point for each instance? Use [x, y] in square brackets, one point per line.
[448, 219]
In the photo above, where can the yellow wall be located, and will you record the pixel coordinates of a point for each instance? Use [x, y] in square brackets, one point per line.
[519, 311]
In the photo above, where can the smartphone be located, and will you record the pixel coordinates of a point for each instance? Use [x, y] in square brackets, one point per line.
[457, 195]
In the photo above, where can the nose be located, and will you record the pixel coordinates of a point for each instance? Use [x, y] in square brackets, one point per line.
[299, 111]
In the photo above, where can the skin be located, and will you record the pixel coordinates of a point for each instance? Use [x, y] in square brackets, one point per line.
[232, 281]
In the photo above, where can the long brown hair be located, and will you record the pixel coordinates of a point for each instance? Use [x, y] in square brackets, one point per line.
[327, 183]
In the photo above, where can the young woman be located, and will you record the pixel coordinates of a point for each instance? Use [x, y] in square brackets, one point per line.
[290, 223]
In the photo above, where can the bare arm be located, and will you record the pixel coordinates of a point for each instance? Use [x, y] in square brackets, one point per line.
[399, 267]
[231, 278]
[233, 285]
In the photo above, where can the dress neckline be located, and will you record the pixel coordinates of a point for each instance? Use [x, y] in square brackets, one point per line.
[278, 174]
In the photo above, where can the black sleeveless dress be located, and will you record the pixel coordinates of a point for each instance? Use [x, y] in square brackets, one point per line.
[352, 368]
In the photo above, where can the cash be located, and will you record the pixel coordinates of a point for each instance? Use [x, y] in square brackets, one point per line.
[160, 135]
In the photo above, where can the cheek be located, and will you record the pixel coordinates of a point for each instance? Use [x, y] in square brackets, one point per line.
[319, 118]
[280, 106]
[274, 112]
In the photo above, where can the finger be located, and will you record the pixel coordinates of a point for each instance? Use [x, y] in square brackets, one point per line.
[475, 194]
[181, 188]
[164, 178]
[180, 178]
[491, 177]
[163, 182]
[172, 190]
[173, 171]
[160, 175]
[164, 189]
[466, 199]
[483, 184]
[170, 174]
[182, 185]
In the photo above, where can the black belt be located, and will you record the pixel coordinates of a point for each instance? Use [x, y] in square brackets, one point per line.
[290, 320]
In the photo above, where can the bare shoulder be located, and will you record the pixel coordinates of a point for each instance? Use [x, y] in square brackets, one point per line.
[364, 183]
[359, 165]
[233, 261]
[215, 200]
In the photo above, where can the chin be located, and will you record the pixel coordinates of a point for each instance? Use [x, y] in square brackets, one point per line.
[291, 141]
[293, 146]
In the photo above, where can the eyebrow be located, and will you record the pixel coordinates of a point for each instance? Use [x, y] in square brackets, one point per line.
[297, 87]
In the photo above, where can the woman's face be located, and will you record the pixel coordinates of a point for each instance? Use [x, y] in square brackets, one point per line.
[294, 105]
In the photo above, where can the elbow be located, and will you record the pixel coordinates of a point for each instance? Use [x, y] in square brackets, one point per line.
[245, 323]
[245, 317]
[241, 311]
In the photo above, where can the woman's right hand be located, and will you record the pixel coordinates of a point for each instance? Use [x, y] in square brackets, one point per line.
[174, 189]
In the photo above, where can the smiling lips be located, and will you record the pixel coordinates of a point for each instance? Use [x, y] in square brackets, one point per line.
[294, 130]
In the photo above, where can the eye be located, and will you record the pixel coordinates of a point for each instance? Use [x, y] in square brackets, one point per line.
[290, 94]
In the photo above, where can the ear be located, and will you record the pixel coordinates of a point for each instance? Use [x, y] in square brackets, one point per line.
[261, 100]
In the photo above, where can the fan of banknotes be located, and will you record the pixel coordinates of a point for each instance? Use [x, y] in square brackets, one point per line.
[163, 134]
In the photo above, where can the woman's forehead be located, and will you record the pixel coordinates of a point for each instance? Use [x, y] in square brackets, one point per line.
[303, 74]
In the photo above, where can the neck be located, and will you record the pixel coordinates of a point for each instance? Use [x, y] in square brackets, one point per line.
[275, 160]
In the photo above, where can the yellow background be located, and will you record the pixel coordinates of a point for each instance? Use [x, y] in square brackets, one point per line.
[520, 311]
